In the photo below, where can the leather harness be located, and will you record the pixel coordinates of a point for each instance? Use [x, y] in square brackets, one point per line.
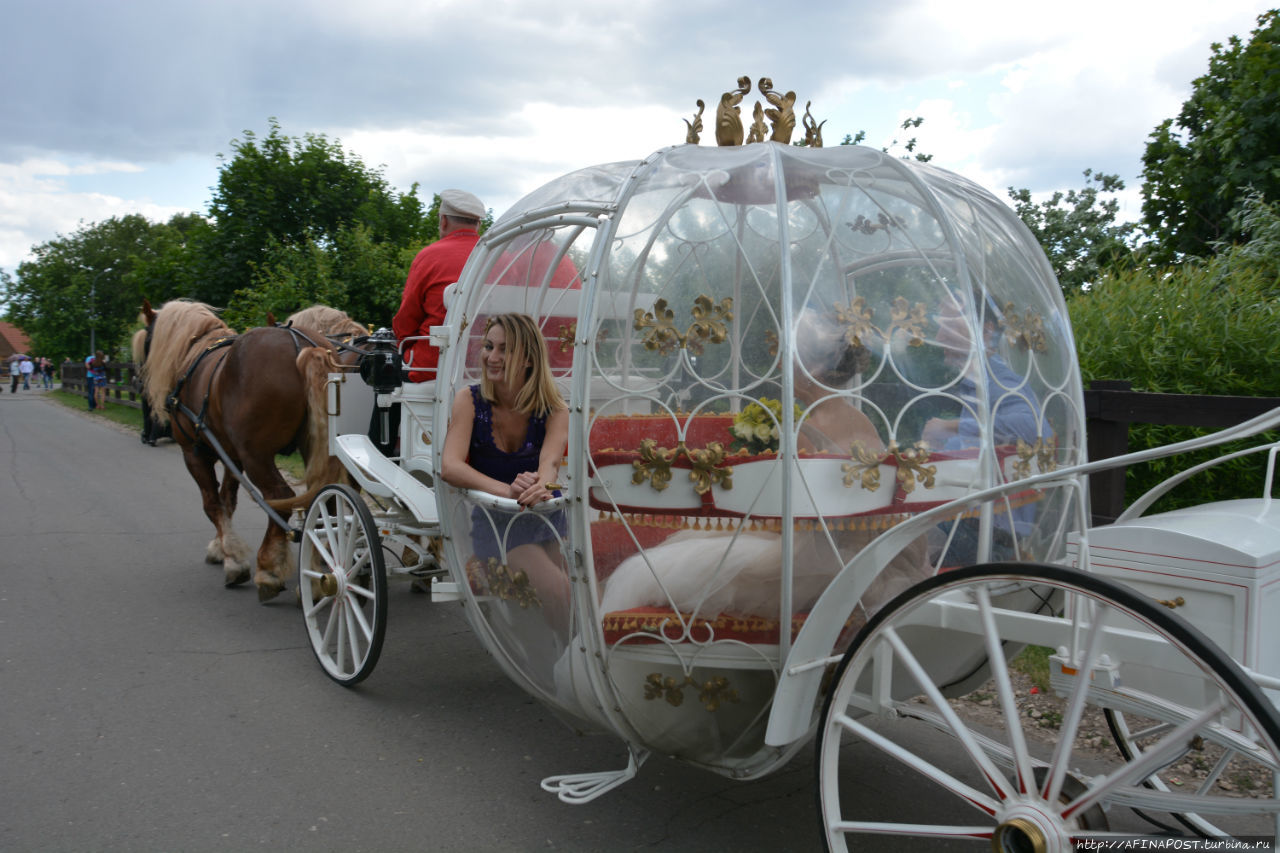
[202, 433]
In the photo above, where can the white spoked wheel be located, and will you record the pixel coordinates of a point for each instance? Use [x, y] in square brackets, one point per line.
[342, 581]
[1202, 765]
[1012, 784]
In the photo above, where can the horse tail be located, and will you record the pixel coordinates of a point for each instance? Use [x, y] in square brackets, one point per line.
[314, 365]
[138, 346]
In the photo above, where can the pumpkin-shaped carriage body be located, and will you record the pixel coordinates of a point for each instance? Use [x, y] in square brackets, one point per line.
[825, 463]
[772, 355]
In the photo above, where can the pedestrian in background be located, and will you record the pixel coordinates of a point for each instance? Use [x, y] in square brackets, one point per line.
[91, 381]
[100, 385]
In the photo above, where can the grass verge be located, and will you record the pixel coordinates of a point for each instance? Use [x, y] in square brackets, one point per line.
[126, 415]
[1033, 662]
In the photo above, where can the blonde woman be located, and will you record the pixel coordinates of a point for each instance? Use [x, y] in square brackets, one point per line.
[507, 436]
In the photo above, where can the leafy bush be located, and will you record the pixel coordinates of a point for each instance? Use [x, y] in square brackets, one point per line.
[1199, 328]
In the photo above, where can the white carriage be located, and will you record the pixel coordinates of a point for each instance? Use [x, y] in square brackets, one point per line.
[740, 580]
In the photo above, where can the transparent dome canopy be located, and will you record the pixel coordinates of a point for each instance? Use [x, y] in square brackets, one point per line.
[772, 356]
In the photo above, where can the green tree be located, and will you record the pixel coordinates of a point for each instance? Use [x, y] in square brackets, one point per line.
[166, 272]
[279, 191]
[83, 291]
[355, 273]
[1078, 229]
[909, 146]
[1199, 167]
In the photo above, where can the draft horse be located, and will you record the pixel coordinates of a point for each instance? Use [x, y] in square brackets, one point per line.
[255, 394]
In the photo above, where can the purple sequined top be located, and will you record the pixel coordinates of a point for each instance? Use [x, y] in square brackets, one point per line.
[485, 457]
[484, 454]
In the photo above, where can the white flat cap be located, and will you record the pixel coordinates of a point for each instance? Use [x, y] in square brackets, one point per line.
[461, 203]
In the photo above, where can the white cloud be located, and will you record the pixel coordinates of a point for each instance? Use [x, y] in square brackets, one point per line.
[502, 97]
[36, 204]
[543, 141]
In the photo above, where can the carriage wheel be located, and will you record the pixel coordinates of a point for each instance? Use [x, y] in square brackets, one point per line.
[1134, 735]
[342, 581]
[1014, 781]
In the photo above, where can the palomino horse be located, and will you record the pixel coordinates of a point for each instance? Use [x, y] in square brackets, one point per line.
[255, 395]
[329, 321]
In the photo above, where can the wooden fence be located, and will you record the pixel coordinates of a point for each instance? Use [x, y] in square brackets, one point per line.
[123, 385]
[1110, 407]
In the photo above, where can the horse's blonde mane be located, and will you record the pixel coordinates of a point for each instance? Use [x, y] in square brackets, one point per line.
[179, 335]
[330, 321]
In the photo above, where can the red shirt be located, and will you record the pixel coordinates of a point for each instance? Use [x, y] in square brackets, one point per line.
[435, 268]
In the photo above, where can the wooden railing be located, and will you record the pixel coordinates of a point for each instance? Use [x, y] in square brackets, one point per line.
[123, 385]
[1111, 406]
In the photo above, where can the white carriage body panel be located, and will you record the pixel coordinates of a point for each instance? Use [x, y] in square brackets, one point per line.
[1216, 565]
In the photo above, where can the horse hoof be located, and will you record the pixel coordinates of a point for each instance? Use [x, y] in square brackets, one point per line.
[235, 578]
[266, 592]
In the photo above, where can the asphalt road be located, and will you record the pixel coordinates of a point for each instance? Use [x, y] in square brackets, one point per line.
[143, 707]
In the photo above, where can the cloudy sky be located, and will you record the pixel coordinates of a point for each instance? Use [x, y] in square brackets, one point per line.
[110, 108]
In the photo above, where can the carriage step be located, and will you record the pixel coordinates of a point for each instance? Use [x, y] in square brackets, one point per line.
[578, 788]
[380, 476]
[442, 590]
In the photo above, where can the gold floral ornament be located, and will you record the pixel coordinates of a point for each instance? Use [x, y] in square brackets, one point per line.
[568, 332]
[695, 127]
[857, 321]
[709, 325]
[780, 113]
[1044, 451]
[755, 429]
[863, 466]
[910, 319]
[654, 466]
[510, 586]
[883, 222]
[771, 338]
[706, 472]
[782, 116]
[758, 127]
[709, 321]
[711, 693]
[912, 467]
[812, 128]
[1026, 331]
[860, 329]
[729, 114]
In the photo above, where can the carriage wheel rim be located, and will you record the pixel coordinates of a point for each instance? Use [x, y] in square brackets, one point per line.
[344, 600]
[1013, 827]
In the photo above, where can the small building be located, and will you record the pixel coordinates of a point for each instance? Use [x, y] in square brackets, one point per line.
[13, 340]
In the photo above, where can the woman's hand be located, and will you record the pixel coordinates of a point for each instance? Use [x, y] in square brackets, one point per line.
[528, 489]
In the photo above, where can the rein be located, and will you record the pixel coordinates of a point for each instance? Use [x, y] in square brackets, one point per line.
[298, 333]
